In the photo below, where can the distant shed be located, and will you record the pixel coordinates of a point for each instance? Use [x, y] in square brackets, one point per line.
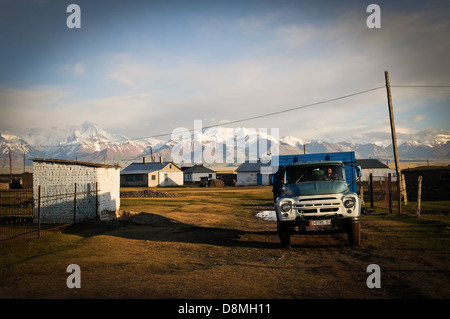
[57, 179]
[250, 174]
[435, 182]
[196, 172]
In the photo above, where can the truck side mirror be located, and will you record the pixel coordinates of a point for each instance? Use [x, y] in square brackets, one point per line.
[358, 171]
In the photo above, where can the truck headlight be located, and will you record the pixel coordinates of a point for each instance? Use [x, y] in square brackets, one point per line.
[286, 207]
[349, 203]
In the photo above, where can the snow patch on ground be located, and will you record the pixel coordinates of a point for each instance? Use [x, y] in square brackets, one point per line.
[267, 215]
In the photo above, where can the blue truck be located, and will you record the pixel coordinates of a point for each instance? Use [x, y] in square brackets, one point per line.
[317, 193]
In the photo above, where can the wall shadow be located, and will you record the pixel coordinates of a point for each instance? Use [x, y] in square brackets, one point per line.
[152, 227]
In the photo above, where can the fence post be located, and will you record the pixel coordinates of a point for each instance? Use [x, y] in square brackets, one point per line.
[361, 194]
[75, 204]
[371, 189]
[405, 197]
[96, 201]
[39, 211]
[390, 193]
[419, 195]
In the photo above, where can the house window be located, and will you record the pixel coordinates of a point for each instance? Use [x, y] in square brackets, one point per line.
[134, 178]
[153, 177]
[210, 175]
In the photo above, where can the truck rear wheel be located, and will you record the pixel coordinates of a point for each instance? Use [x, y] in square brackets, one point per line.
[354, 234]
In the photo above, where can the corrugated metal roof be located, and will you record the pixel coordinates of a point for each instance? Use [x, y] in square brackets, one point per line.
[252, 167]
[141, 168]
[60, 161]
[370, 163]
[427, 168]
[198, 169]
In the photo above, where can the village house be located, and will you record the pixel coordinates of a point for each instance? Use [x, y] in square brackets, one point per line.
[151, 174]
[378, 170]
[95, 188]
[250, 174]
[195, 173]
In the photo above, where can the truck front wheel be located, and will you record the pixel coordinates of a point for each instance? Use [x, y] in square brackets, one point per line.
[354, 234]
[285, 236]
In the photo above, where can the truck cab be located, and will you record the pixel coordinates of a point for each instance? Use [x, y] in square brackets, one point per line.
[315, 196]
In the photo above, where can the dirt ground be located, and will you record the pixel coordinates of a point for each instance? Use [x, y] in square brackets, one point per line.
[209, 244]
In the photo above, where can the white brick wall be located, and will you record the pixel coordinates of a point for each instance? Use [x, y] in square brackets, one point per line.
[60, 178]
[109, 189]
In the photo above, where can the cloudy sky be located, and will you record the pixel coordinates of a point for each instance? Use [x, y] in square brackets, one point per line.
[144, 68]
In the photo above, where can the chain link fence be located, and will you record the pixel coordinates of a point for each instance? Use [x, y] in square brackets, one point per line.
[25, 216]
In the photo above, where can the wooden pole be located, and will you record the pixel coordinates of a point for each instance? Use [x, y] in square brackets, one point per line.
[371, 189]
[419, 195]
[394, 139]
[75, 204]
[10, 164]
[361, 193]
[96, 201]
[390, 193]
[404, 195]
[39, 211]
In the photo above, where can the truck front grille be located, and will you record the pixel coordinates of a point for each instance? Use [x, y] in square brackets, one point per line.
[318, 205]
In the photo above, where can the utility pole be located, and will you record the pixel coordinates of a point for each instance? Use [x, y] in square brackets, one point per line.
[394, 139]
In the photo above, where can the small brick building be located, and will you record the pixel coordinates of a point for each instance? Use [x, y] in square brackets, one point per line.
[97, 190]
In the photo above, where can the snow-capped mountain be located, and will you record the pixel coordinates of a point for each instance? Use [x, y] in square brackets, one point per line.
[89, 142]
[16, 145]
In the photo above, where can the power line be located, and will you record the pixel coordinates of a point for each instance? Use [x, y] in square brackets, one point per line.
[240, 120]
[264, 115]
[420, 86]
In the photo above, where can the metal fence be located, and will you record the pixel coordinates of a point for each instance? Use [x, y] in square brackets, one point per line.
[381, 193]
[21, 213]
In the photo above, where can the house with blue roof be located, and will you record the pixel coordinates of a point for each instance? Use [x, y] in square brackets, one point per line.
[151, 174]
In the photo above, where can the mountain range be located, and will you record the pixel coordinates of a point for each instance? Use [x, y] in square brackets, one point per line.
[90, 143]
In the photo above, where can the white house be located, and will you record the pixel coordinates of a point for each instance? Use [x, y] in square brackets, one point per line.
[250, 174]
[196, 172]
[72, 191]
[151, 174]
[376, 168]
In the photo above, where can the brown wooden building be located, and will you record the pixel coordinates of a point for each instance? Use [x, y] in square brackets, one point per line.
[435, 182]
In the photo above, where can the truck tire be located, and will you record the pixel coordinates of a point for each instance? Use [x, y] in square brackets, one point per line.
[354, 234]
[285, 239]
[285, 236]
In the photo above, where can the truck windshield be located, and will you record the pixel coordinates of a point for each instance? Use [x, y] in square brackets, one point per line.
[309, 173]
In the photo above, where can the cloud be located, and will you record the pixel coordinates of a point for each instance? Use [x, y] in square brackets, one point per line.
[269, 64]
[296, 36]
[45, 107]
[417, 118]
[127, 74]
[77, 69]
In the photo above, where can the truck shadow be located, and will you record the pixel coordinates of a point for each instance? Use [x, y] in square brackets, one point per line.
[152, 227]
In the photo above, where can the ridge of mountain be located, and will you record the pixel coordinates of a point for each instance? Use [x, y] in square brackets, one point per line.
[89, 142]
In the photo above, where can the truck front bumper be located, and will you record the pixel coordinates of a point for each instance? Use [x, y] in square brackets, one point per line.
[321, 224]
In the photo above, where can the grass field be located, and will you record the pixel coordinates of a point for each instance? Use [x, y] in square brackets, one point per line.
[207, 243]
